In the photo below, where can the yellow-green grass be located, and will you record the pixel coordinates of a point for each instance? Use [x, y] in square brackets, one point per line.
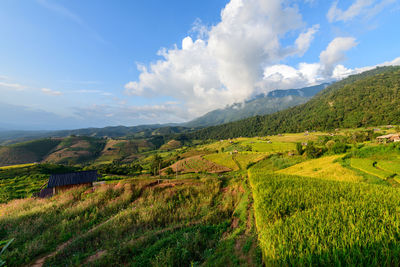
[16, 166]
[389, 165]
[296, 137]
[315, 222]
[224, 159]
[368, 166]
[324, 168]
[218, 145]
[245, 158]
[265, 146]
[144, 223]
[235, 161]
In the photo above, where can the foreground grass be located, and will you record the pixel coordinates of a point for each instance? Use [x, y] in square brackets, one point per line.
[137, 222]
[309, 221]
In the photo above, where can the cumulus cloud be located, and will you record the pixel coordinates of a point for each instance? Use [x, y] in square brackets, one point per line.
[335, 52]
[286, 77]
[367, 8]
[304, 40]
[225, 63]
[48, 91]
[242, 56]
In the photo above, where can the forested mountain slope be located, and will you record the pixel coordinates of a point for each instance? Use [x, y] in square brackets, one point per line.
[366, 99]
[260, 105]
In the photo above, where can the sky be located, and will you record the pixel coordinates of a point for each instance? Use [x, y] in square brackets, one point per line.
[68, 64]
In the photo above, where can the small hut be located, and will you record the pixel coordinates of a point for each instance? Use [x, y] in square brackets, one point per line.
[65, 181]
[388, 138]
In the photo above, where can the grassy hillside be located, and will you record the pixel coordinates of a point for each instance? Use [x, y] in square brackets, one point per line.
[368, 99]
[76, 149]
[291, 199]
[27, 152]
[186, 222]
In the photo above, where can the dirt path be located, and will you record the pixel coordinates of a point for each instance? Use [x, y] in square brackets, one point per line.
[101, 253]
[40, 262]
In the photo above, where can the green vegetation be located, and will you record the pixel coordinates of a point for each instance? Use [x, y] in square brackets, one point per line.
[3, 246]
[24, 181]
[140, 222]
[370, 166]
[307, 221]
[27, 152]
[171, 199]
[324, 168]
[224, 159]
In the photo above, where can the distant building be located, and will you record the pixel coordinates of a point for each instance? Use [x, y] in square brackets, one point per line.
[388, 138]
[61, 182]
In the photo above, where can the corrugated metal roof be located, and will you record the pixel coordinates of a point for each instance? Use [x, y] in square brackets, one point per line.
[72, 178]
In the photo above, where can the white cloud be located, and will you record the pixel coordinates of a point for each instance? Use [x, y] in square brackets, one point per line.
[13, 86]
[335, 52]
[48, 91]
[306, 74]
[304, 40]
[366, 8]
[286, 77]
[225, 63]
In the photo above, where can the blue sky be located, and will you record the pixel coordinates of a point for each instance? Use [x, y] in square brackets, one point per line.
[71, 64]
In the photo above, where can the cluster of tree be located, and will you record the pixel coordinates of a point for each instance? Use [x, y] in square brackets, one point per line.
[118, 169]
[312, 150]
[367, 99]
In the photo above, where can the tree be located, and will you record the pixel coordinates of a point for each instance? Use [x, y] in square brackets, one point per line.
[299, 148]
[339, 148]
[155, 164]
[312, 151]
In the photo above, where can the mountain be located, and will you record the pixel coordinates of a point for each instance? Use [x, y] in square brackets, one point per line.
[304, 92]
[27, 152]
[140, 131]
[367, 99]
[260, 105]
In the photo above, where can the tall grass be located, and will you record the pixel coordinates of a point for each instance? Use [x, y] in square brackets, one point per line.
[309, 221]
[39, 225]
[139, 222]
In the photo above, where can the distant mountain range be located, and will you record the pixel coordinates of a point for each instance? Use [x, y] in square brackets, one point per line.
[259, 105]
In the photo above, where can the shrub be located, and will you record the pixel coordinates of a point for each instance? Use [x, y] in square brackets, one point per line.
[339, 148]
[299, 148]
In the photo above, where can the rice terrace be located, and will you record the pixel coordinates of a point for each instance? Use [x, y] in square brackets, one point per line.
[199, 133]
